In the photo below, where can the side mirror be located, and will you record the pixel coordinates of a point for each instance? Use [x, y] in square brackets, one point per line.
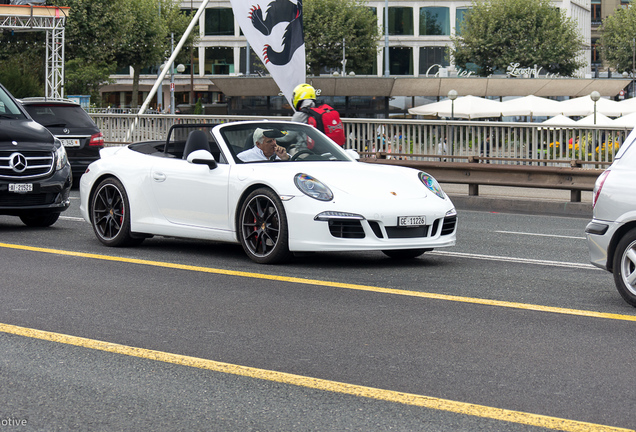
[202, 157]
[352, 153]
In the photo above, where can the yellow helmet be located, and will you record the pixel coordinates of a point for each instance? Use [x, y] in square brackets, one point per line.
[302, 92]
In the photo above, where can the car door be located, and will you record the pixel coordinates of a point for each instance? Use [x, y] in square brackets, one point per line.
[191, 194]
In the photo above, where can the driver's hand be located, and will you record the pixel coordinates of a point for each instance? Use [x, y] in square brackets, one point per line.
[281, 152]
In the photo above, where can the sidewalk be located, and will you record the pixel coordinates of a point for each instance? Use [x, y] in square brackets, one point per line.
[520, 200]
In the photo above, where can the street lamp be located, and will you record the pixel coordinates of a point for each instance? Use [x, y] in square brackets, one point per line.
[595, 96]
[452, 95]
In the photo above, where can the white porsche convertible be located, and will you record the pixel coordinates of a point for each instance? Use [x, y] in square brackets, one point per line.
[194, 185]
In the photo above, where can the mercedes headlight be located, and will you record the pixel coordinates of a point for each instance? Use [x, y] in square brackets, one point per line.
[431, 184]
[61, 159]
[313, 187]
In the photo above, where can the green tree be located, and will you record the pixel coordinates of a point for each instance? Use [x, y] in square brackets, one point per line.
[328, 22]
[148, 41]
[22, 57]
[93, 32]
[496, 33]
[617, 39]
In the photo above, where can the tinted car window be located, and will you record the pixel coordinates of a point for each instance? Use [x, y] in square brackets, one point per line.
[55, 115]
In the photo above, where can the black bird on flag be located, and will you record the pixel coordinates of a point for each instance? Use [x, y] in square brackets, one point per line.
[279, 11]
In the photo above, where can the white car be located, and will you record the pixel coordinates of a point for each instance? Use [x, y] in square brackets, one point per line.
[193, 185]
[611, 235]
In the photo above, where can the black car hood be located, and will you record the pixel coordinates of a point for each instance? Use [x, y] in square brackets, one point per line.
[28, 134]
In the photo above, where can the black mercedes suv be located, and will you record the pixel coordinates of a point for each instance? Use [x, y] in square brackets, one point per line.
[35, 175]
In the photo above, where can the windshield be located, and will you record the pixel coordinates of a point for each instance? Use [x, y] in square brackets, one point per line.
[301, 142]
[8, 108]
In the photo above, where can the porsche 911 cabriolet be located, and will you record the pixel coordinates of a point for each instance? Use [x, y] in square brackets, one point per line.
[310, 196]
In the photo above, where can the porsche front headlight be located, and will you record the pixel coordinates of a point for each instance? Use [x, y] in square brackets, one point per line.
[431, 184]
[313, 187]
[61, 159]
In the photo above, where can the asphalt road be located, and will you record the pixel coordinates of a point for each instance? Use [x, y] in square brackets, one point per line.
[511, 330]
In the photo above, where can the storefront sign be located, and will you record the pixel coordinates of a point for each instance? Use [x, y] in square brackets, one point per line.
[515, 71]
[461, 73]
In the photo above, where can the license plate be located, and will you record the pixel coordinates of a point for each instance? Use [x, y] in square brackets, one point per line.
[409, 221]
[67, 142]
[20, 187]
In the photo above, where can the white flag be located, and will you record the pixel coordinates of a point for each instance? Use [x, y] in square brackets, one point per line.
[274, 29]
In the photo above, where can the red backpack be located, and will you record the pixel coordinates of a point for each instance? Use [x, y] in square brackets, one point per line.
[327, 120]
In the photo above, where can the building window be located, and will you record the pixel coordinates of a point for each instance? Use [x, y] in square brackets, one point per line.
[434, 21]
[596, 12]
[400, 61]
[596, 57]
[219, 61]
[400, 21]
[432, 58]
[256, 66]
[626, 4]
[219, 22]
[460, 15]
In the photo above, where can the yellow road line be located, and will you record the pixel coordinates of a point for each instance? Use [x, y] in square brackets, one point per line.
[368, 288]
[319, 384]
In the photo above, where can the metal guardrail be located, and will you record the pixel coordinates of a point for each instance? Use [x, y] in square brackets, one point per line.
[517, 154]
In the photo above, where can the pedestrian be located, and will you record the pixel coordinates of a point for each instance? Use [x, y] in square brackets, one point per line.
[323, 117]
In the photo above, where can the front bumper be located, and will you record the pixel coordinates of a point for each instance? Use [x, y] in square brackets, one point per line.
[49, 195]
[375, 228]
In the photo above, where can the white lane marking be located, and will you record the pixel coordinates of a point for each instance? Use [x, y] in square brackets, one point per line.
[540, 235]
[518, 260]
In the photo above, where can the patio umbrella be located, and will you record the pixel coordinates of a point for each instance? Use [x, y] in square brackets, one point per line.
[627, 120]
[464, 107]
[531, 105]
[601, 120]
[559, 120]
[629, 105]
[584, 105]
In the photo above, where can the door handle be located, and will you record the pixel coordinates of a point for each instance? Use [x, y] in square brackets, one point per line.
[158, 176]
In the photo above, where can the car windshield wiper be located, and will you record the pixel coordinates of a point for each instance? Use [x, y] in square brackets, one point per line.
[9, 116]
[54, 125]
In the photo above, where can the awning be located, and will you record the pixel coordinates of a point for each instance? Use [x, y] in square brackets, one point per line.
[430, 87]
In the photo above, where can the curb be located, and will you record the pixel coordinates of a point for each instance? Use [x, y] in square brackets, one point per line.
[512, 205]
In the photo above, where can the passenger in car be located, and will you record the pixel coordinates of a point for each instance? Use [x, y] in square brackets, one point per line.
[265, 147]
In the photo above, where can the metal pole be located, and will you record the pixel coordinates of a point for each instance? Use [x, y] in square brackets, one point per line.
[172, 76]
[387, 72]
[247, 59]
[344, 60]
[191, 98]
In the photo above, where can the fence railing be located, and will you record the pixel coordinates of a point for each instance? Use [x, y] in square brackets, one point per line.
[531, 144]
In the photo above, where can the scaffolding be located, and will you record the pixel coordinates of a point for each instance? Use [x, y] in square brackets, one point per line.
[50, 19]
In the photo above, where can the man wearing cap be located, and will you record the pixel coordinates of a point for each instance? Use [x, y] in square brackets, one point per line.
[265, 147]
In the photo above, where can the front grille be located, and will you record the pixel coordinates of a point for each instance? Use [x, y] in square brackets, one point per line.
[449, 225]
[346, 228]
[410, 232]
[38, 164]
[26, 200]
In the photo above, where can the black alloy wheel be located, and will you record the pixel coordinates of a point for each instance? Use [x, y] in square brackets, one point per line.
[110, 214]
[263, 229]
